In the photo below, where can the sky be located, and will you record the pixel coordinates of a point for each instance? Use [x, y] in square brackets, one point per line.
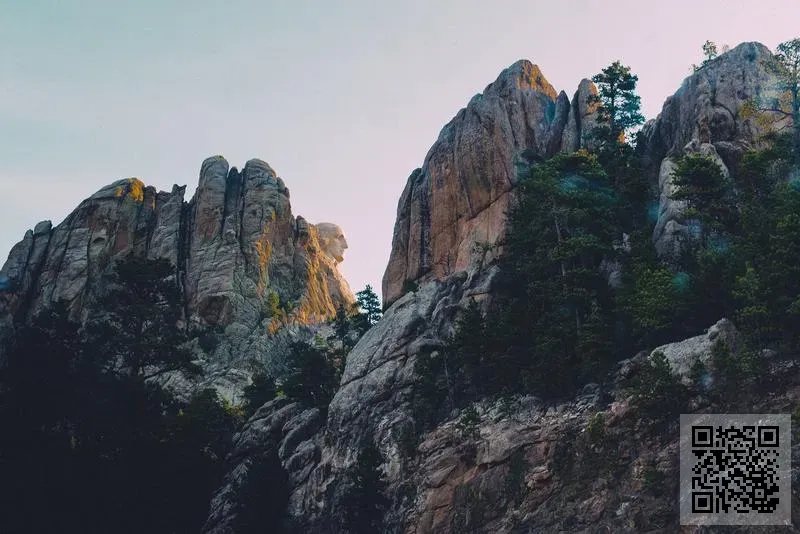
[343, 98]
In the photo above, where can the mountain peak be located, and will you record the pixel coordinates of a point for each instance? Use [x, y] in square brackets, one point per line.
[520, 76]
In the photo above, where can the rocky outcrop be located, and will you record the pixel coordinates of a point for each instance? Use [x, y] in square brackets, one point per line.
[372, 405]
[683, 355]
[673, 231]
[582, 119]
[708, 115]
[244, 242]
[455, 205]
[233, 244]
[281, 427]
[591, 464]
[526, 466]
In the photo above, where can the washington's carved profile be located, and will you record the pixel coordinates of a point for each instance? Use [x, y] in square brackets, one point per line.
[332, 240]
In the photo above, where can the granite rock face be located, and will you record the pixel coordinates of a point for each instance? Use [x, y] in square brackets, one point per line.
[707, 114]
[586, 465]
[282, 427]
[456, 203]
[673, 231]
[372, 405]
[244, 242]
[682, 355]
[233, 244]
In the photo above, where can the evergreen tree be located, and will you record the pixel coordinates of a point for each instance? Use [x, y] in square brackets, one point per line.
[618, 113]
[263, 497]
[467, 350]
[619, 103]
[561, 229]
[138, 323]
[700, 182]
[709, 50]
[781, 111]
[345, 335]
[594, 340]
[206, 423]
[201, 435]
[788, 68]
[656, 390]
[100, 446]
[654, 299]
[365, 503]
[782, 267]
[311, 377]
[260, 391]
[623, 165]
[342, 328]
[370, 306]
[434, 390]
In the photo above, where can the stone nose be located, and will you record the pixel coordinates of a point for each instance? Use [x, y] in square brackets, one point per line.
[344, 242]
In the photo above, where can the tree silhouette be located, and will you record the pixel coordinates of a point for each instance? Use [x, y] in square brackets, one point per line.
[137, 324]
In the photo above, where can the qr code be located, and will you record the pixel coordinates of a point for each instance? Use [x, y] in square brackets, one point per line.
[735, 469]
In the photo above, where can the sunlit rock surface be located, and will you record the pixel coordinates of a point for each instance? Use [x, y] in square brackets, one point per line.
[455, 204]
[233, 244]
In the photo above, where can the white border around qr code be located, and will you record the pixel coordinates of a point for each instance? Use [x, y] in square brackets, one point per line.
[710, 469]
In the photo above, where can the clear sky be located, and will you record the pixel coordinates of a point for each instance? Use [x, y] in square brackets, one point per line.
[343, 98]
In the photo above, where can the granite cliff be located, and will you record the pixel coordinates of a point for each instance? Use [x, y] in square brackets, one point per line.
[235, 242]
[706, 115]
[456, 202]
[450, 223]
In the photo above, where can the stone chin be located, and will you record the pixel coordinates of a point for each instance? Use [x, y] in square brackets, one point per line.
[332, 241]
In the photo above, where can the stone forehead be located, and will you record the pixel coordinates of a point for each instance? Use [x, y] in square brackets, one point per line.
[327, 229]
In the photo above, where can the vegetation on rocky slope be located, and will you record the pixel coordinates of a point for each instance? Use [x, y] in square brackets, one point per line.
[579, 290]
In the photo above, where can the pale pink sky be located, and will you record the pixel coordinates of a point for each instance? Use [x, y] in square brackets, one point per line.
[342, 98]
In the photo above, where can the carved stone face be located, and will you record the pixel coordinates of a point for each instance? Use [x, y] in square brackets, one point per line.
[332, 240]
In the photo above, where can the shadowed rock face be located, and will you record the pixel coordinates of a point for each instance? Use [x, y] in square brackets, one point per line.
[232, 244]
[457, 201]
[705, 116]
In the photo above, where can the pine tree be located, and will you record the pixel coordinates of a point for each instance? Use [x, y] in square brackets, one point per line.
[619, 104]
[311, 377]
[787, 66]
[256, 394]
[370, 306]
[709, 50]
[654, 299]
[656, 389]
[365, 503]
[561, 229]
[263, 497]
[342, 327]
[138, 322]
[782, 111]
[468, 352]
[700, 182]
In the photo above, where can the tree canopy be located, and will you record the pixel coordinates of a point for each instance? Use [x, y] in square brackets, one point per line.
[137, 322]
[619, 103]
